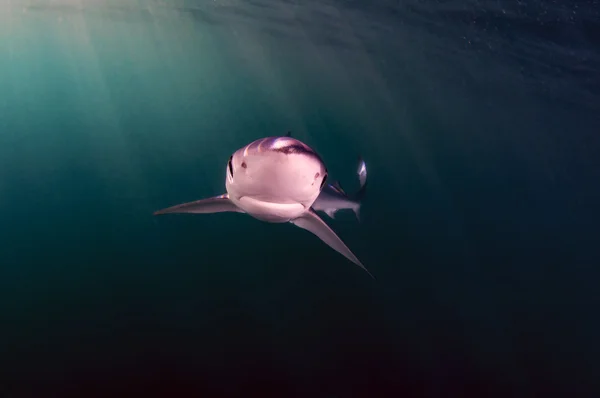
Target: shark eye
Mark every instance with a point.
(323, 181)
(230, 166)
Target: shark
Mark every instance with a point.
(275, 180)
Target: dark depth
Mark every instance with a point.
(479, 122)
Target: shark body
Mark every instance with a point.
(276, 180)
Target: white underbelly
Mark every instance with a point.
(269, 211)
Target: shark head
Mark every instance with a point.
(275, 179)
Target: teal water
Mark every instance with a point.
(479, 126)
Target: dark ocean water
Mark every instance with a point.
(479, 122)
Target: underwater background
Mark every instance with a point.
(479, 122)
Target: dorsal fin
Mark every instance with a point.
(289, 134)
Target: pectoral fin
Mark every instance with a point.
(313, 223)
(217, 204)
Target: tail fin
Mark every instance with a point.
(362, 177)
